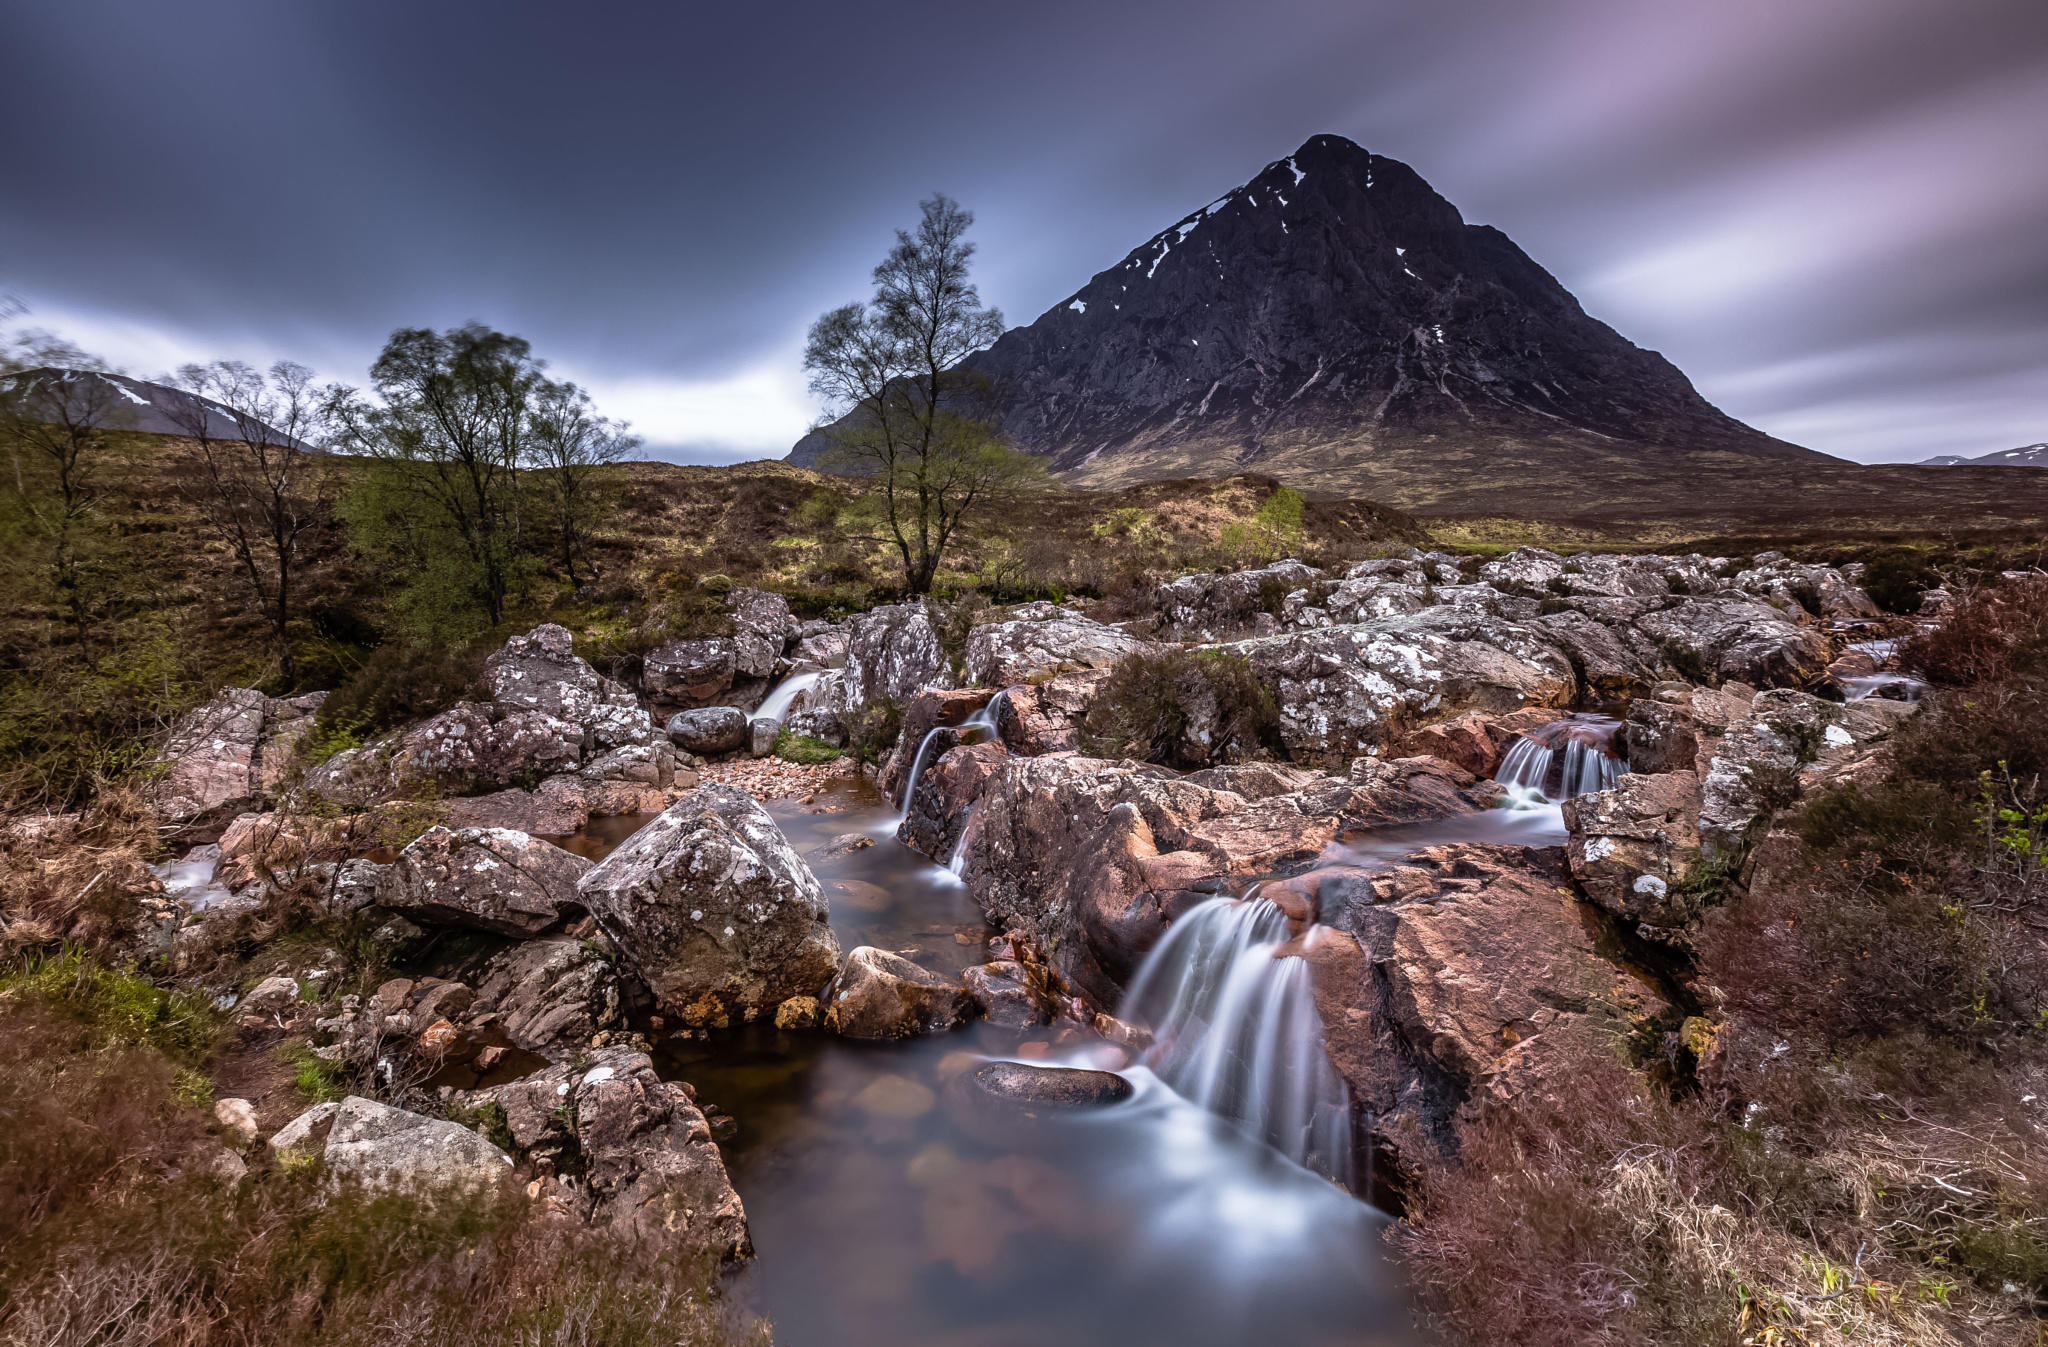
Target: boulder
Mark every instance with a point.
(1659, 735)
(1344, 689)
(491, 879)
(1633, 847)
(1087, 857)
(938, 809)
(714, 911)
(651, 1162)
(306, 1134)
(1824, 591)
(1207, 607)
(689, 672)
(1003, 653)
(1754, 771)
(550, 996)
(1524, 568)
(709, 729)
(1468, 970)
(542, 672)
(355, 885)
(221, 757)
(1715, 640)
(761, 733)
(1005, 993)
(1054, 1087)
(892, 652)
(640, 1144)
(765, 618)
(1046, 717)
(882, 995)
(390, 1150)
(1476, 741)
(557, 807)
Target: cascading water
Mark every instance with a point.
(775, 706)
(1571, 756)
(957, 862)
(970, 730)
(1235, 1029)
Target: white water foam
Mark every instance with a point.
(775, 706)
(1235, 1030)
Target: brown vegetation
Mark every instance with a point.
(1851, 1152)
(124, 1221)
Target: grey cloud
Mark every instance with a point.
(670, 193)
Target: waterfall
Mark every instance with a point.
(957, 862)
(1568, 757)
(775, 706)
(924, 747)
(982, 720)
(1235, 1029)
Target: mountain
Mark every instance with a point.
(1335, 323)
(122, 403)
(2026, 456)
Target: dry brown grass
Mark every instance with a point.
(1858, 1151)
(119, 1227)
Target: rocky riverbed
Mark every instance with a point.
(743, 1006)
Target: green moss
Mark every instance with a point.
(793, 747)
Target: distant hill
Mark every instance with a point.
(142, 406)
(2026, 456)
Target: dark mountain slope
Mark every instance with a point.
(1336, 323)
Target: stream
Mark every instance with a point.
(883, 1214)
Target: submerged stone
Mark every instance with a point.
(1056, 1086)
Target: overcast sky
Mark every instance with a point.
(1832, 214)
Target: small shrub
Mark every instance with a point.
(1184, 709)
(1989, 634)
(1897, 577)
(399, 682)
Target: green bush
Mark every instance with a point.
(399, 682)
(1185, 709)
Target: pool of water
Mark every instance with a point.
(887, 1209)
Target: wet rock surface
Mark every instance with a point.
(880, 995)
(1055, 1087)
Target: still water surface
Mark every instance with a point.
(886, 1211)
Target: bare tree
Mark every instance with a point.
(259, 485)
(890, 371)
(570, 445)
(56, 409)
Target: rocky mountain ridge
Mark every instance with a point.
(1336, 321)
